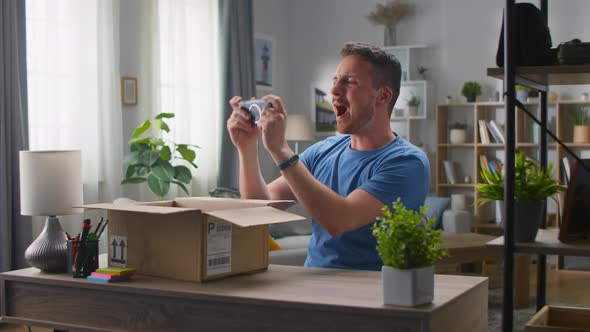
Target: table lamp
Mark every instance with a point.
(51, 184)
(299, 129)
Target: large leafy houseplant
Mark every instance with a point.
(153, 160)
(406, 239)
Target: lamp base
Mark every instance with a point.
(49, 251)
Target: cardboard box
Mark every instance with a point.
(193, 239)
(564, 319)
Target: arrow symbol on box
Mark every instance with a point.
(114, 244)
(122, 245)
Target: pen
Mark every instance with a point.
(102, 230)
(98, 226)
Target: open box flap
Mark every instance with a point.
(137, 208)
(207, 204)
(265, 215)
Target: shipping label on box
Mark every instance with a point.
(219, 239)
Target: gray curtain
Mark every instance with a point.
(237, 52)
(15, 230)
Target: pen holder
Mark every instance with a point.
(82, 257)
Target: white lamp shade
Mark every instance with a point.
(299, 128)
(50, 182)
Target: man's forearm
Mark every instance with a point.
(252, 184)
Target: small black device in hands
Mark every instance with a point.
(254, 107)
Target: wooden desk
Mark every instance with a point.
(284, 298)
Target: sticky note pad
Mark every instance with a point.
(116, 270)
(110, 276)
(106, 281)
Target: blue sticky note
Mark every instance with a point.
(105, 281)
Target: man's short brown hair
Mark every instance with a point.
(387, 70)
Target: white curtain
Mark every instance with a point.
(187, 74)
(73, 87)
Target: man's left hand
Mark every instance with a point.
(272, 125)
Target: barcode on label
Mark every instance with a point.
(219, 261)
(223, 227)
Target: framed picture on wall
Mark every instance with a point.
(323, 114)
(129, 90)
(264, 61)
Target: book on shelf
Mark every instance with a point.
(483, 132)
(496, 131)
(483, 162)
(450, 172)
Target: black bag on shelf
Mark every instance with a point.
(533, 40)
(573, 52)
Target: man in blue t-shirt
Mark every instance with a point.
(342, 181)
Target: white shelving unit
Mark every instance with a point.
(411, 85)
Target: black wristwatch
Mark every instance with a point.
(289, 162)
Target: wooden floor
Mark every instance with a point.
(571, 287)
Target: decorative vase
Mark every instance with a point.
(522, 95)
(389, 35)
(582, 134)
(527, 219)
(410, 288)
(458, 136)
(457, 219)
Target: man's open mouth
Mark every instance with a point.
(340, 110)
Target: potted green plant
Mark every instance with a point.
(532, 186)
(413, 104)
(471, 90)
(409, 247)
(579, 117)
(458, 133)
(153, 160)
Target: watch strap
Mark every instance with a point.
(289, 162)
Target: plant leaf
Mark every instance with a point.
(133, 180)
(183, 174)
(164, 171)
(149, 158)
(165, 153)
(139, 147)
(131, 158)
(130, 171)
(187, 154)
(165, 115)
(181, 186)
(141, 140)
(159, 124)
(158, 186)
(141, 129)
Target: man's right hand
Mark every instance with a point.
(243, 133)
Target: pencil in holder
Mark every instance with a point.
(82, 257)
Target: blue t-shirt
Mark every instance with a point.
(397, 170)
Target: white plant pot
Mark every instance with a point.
(412, 111)
(458, 136)
(410, 288)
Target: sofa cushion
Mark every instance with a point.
(436, 207)
(294, 242)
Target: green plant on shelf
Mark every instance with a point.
(579, 115)
(531, 182)
(414, 101)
